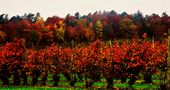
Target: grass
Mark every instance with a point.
(38, 88)
(95, 86)
(80, 85)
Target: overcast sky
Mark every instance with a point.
(63, 7)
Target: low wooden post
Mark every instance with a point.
(168, 61)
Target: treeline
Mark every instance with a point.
(100, 25)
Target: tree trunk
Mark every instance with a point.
(25, 77)
(5, 78)
(5, 75)
(56, 78)
(132, 80)
(16, 78)
(80, 76)
(148, 77)
(73, 79)
(44, 79)
(88, 81)
(109, 83)
(35, 76)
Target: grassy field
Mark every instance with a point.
(64, 85)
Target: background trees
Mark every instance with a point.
(98, 25)
(127, 29)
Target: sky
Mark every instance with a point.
(61, 8)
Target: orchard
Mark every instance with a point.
(114, 47)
